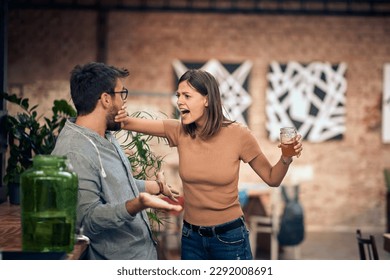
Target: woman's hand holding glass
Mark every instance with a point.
(298, 146)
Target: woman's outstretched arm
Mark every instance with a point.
(145, 126)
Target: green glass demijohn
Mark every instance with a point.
(48, 201)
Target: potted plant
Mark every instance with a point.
(30, 134)
(145, 165)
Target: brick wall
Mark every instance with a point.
(342, 183)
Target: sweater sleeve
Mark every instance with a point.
(172, 131)
(250, 148)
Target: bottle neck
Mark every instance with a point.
(49, 162)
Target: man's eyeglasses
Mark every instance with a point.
(123, 93)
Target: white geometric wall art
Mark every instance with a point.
(233, 84)
(386, 104)
(309, 97)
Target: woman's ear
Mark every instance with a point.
(206, 101)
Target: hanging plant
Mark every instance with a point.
(144, 162)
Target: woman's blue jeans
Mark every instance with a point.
(230, 245)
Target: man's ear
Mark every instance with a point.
(105, 99)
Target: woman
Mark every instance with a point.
(210, 148)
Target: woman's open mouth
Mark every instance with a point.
(184, 112)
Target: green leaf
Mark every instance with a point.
(62, 106)
(32, 108)
(24, 103)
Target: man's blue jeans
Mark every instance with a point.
(230, 245)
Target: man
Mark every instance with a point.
(111, 203)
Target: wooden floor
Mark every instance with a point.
(10, 227)
(11, 232)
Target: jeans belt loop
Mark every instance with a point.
(199, 231)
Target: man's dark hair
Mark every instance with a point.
(89, 81)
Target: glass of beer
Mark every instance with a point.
(287, 140)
